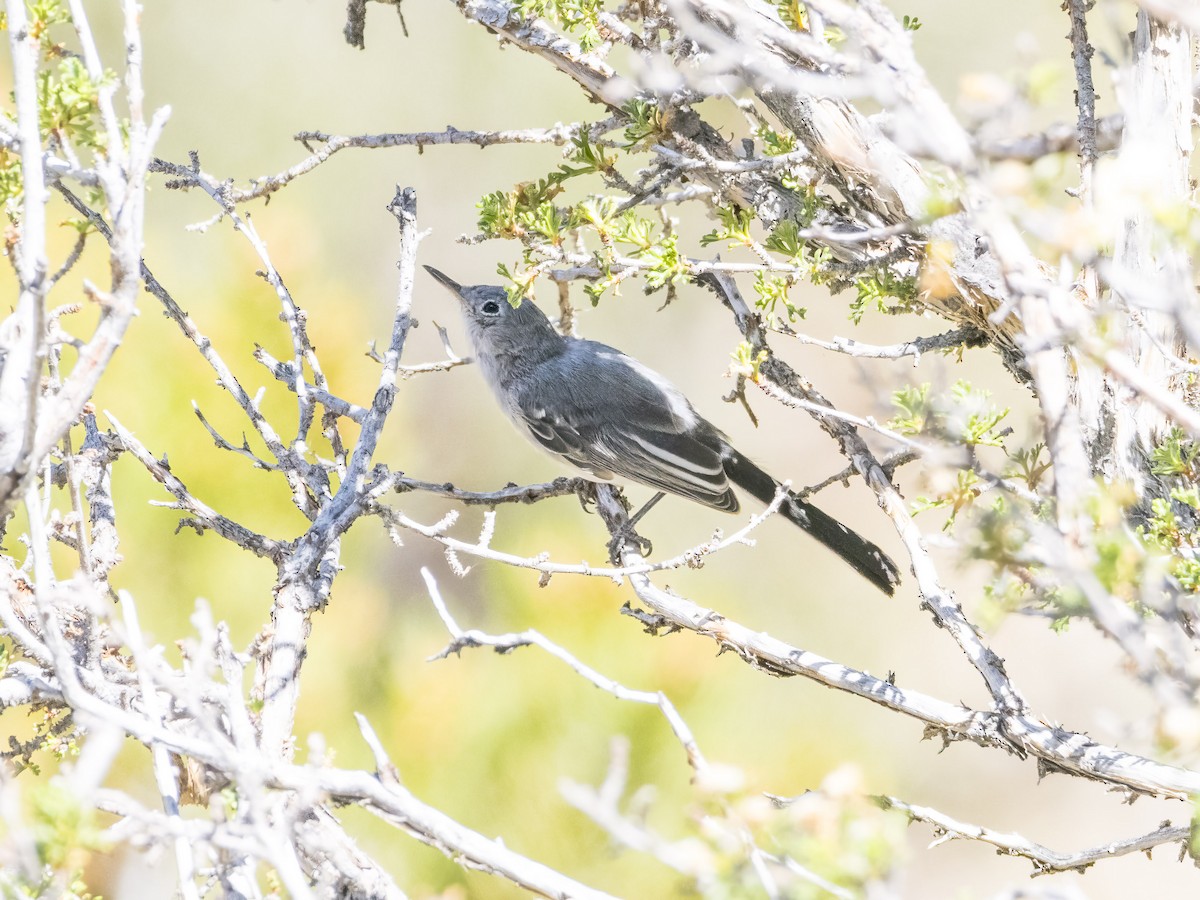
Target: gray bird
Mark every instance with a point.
(618, 420)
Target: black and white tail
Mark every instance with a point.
(863, 556)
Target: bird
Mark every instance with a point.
(618, 420)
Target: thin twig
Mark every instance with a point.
(504, 643)
(1043, 858)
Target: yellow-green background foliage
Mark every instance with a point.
(485, 737)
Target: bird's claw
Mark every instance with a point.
(619, 539)
(586, 493)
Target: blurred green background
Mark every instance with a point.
(487, 738)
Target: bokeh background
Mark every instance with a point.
(487, 738)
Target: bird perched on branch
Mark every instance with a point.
(618, 420)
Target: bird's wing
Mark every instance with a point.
(609, 415)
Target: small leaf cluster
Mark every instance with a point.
(591, 157)
(914, 407)
(746, 362)
(735, 227)
(530, 214)
(836, 835)
(793, 14)
(773, 294)
(967, 416)
(779, 143)
(1127, 562)
(776, 143)
(961, 495)
(54, 733)
(1165, 530)
(42, 15)
(577, 17)
(874, 291)
(644, 123)
(1027, 465)
(68, 100)
(526, 209)
(1171, 527)
(64, 829)
(68, 105)
(1176, 455)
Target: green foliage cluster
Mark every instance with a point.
(1176, 455)
(966, 415)
(793, 14)
(54, 735)
(577, 17)
(528, 213)
(875, 290)
(63, 833)
(1171, 526)
(621, 240)
(746, 362)
(68, 102)
(1167, 543)
(838, 834)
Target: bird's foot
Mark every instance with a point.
(586, 492)
(626, 534)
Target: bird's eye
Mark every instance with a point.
(490, 308)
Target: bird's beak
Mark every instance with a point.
(446, 281)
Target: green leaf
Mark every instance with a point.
(772, 293)
(645, 122)
(746, 362)
(735, 227)
(786, 239)
(577, 17)
(588, 155)
(1175, 455)
(874, 291)
(915, 409)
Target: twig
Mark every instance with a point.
(601, 806)
(504, 643)
(693, 557)
(202, 515)
(1017, 732)
(306, 575)
(382, 794)
(1085, 93)
(267, 185)
(528, 493)
(785, 382)
(1043, 858)
(968, 336)
(164, 771)
(1061, 138)
(21, 376)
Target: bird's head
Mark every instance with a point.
(494, 324)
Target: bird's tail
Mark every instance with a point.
(863, 556)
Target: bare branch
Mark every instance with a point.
(939, 343)
(1043, 858)
(1060, 138)
(1020, 733)
(202, 516)
(504, 643)
(934, 596)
